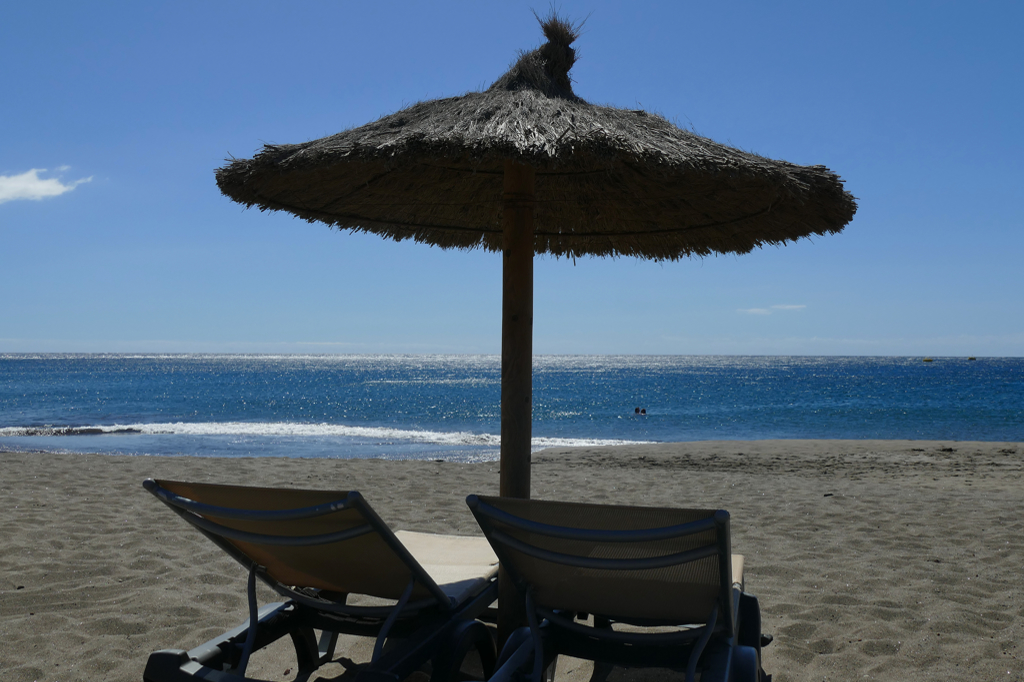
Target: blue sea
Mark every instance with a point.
(447, 407)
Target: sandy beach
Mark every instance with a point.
(897, 560)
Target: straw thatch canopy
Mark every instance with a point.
(608, 181)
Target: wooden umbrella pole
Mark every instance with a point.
(516, 364)
(517, 331)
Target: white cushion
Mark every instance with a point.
(460, 564)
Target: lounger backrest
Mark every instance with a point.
(330, 540)
(641, 563)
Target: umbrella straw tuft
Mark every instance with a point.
(558, 56)
(545, 69)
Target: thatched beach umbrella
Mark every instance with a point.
(528, 167)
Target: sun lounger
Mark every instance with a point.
(627, 586)
(316, 548)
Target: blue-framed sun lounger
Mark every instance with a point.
(317, 549)
(626, 586)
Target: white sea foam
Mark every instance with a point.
(300, 430)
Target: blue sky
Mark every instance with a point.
(113, 117)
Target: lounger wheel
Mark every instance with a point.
(518, 637)
(468, 635)
(307, 654)
(744, 665)
(749, 621)
(750, 634)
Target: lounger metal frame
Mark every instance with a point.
(552, 632)
(424, 627)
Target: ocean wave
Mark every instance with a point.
(300, 430)
(20, 431)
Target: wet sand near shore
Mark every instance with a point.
(898, 560)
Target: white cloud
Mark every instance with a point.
(29, 185)
(769, 311)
